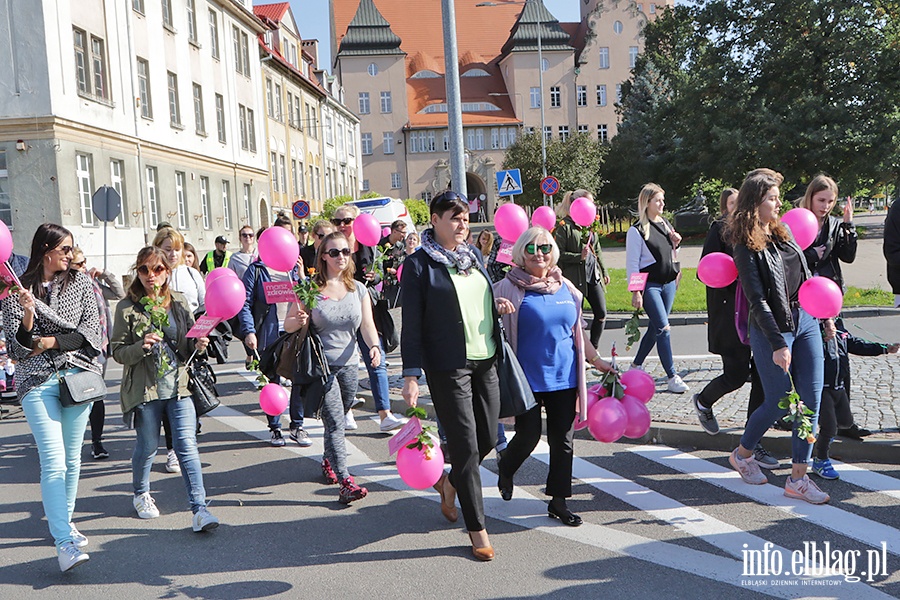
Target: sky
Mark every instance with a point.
(312, 17)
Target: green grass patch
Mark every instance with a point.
(691, 294)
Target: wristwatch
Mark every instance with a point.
(38, 343)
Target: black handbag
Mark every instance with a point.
(516, 397)
(308, 358)
(384, 324)
(82, 387)
(202, 385)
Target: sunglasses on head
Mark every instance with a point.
(533, 248)
(145, 270)
(344, 221)
(335, 252)
(449, 196)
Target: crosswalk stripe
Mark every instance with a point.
(835, 519)
(869, 480)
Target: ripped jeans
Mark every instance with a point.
(658, 299)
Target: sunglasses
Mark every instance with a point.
(247, 235)
(80, 263)
(145, 270)
(533, 248)
(66, 249)
(334, 252)
(345, 221)
(449, 197)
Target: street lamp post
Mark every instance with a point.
(540, 81)
(454, 107)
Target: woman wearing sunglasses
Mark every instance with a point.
(53, 329)
(547, 326)
(342, 310)
(450, 331)
(154, 381)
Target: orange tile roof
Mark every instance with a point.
(273, 12)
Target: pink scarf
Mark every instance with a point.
(546, 285)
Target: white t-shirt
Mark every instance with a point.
(189, 282)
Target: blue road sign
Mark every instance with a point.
(300, 208)
(509, 183)
(549, 185)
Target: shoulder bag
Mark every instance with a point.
(201, 382)
(516, 397)
(78, 388)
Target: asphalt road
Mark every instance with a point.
(659, 523)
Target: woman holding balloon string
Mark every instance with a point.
(545, 324)
(650, 247)
(836, 240)
(737, 362)
(363, 257)
(149, 340)
(784, 337)
(581, 258)
(343, 311)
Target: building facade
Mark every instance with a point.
(390, 61)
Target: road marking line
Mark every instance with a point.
(870, 480)
(835, 519)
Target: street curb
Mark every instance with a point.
(618, 320)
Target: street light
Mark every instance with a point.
(540, 78)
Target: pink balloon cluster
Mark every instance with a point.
(417, 470)
(609, 418)
(543, 216)
(594, 394)
(717, 270)
(582, 211)
(225, 293)
(510, 221)
(803, 225)
(273, 399)
(821, 297)
(278, 248)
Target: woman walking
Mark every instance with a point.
(546, 326)
(450, 330)
(53, 330)
(149, 340)
(785, 339)
(836, 241)
(650, 246)
(342, 310)
(581, 261)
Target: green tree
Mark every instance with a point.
(418, 210)
(576, 162)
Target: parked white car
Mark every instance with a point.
(386, 210)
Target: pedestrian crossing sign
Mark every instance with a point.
(509, 183)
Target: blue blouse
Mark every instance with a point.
(546, 348)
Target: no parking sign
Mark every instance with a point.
(549, 185)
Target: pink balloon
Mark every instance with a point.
(6, 243)
(273, 399)
(803, 224)
(638, 384)
(225, 297)
(717, 270)
(385, 231)
(418, 471)
(399, 271)
(217, 273)
(607, 420)
(278, 249)
(594, 394)
(510, 221)
(367, 230)
(543, 216)
(821, 297)
(638, 417)
(582, 211)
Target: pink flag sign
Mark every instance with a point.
(637, 282)
(279, 291)
(406, 435)
(504, 253)
(203, 326)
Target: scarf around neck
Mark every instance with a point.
(461, 257)
(540, 285)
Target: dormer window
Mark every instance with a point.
(426, 74)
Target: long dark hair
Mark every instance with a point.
(147, 254)
(742, 226)
(46, 239)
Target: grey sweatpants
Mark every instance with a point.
(340, 390)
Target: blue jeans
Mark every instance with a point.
(295, 408)
(658, 301)
(183, 417)
(59, 433)
(808, 371)
(377, 375)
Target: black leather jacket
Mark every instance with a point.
(840, 242)
(765, 286)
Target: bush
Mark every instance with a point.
(418, 211)
(332, 204)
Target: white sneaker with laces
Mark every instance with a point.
(350, 421)
(69, 557)
(172, 465)
(391, 422)
(677, 386)
(79, 539)
(203, 520)
(145, 506)
(805, 489)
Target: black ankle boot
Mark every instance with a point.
(557, 509)
(504, 483)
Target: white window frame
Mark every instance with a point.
(387, 104)
(282, 166)
(220, 118)
(603, 58)
(365, 105)
(181, 200)
(601, 94)
(6, 213)
(581, 95)
(117, 182)
(204, 203)
(84, 175)
(632, 56)
(226, 205)
(273, 160)
(247, 193)
(143, 74)
(555, 96)
(602, 133)
(174, 105)
(191, 20)
(199, 120)
(387, 141)
(365, 141)
(214, 33)
(396, 183)
(152, 198)
(535, 96)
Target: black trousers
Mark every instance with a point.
(834, 412)
(560, 409)
(596, 298)
(736, 366)
(467, 402)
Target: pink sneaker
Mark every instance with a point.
(748, 469)
(805, 489)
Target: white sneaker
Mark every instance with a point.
(145, 506)
(172, 465)
(79, 539)
(637, 367)
(350, 421)
(392, 422)
(203, 520)
(70, 557)
(805, 489)
(677, 386)
(748, 469)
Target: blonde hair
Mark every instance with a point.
(348, 208)
(486, 246)
(820, 182)
(167, 233)
(647, 192)
(528, 237)
(562, 209)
